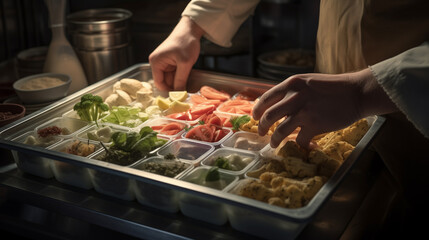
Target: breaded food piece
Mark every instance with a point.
(329, 138)
(326, 166)
(351, 134)
(337, 150)
(267, 176)
(289, 148)
(271, 165)
(354, 133)
(296, 167)
(256, 190)
(296, 197)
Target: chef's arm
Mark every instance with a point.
(405, 79)
(220, 19)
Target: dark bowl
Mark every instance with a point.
(10, 112)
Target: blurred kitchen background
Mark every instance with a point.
(277, 25)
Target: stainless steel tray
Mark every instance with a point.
(289, 222)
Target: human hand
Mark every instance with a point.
(172, 61)
(319, 103)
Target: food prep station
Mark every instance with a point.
(95, 198)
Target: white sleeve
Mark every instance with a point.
(220, 19)
(405, 78)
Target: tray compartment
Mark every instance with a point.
(203, 209)
(156, 196)
(34, 164)
(187, 150)
(72, 174)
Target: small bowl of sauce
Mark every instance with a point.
(42, 88)
(10, 112)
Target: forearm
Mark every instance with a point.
(187, 27)
(405, 79)
(220, 19)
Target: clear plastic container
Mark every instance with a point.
(72, 174)
(111, 184)
(30, 163)
(238, 161)
(100, 133)
(162, 121)
(71, 114)
(205, 209)
(69, 126)
(247, 141)
(218, 143)
(269, 153)
(155, 196)
(187, 150)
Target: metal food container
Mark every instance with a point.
(243, 214)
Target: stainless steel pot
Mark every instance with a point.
(102, 40)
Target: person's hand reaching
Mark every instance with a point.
(172, 61)
(319, 103)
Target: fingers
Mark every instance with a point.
(169, 80)
(158, 77)
(286, 88)
(282, 131)
(268, 99)
(181, 77)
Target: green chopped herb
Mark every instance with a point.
(212, 174)
(222, 162)
(170, 156)
(238, 121)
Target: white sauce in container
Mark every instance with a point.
(41, 83)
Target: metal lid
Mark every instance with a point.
(99, 20)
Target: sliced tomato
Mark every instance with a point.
(157, 128)
(219, 134)
(179, 116)
(198, 99)
(200, 110)
(201, 133)
(171, 128)
(236, 102)
(215, 120)
(212, 93)
(170, 132)
(212, 119)
(173, 125)
(225, 122)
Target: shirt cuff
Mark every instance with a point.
(220, 19)
(405, 80)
